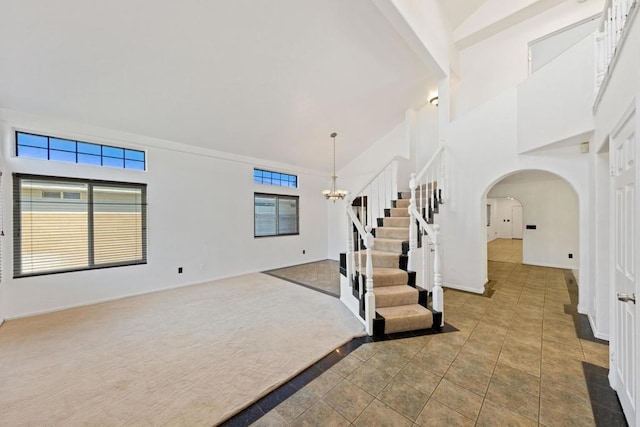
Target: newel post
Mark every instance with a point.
(438, 297)
(369, 298)
(413, 236)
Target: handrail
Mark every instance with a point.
(366, 238)
(423, 224)
(380, 171)
(356, 222)
(430, 162)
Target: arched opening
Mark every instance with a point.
(550, 227)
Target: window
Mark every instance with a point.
(275, 178)
(275, 215)
(89, 224)
(65, 150)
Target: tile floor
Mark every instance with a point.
(517, 356)
(322, 276)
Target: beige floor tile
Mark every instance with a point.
(513, 397)
(513, 378)
(556, 413)
(295, 405)
(324, 383)
(435, 414)
(523, 357)
(319, 415)
(471, 371)
(380, 415)
(364, 352)
(348, 400)
(388, 362)
(491, 414)
(346, 366)
(403, 398)
(596, 353)
(369, 379)
(418, 378)
(487, 348)
(458, 398)
(270, 419)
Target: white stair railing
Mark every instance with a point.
(430, 183)
(365, 241)
(609, 33)
(363, 208)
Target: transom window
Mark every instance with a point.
(64, 224)
(66, 150)
(261, 176)
(275, 215)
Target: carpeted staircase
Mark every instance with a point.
(400, 306)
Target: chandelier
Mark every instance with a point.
(334, 194)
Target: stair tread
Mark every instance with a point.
(396, 289)
(402, 318)
(389, 296)
(402, 311)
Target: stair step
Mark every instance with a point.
(388, 296)
(379, 258)
(383, 276)
(403, 318)
(388, 245)
(402, 203)
(400, 233)
(399, 212)
(396, 222)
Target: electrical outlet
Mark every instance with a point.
(179, 270)
(570, 255)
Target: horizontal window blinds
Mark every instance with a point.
(69, 224)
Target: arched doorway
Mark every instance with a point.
(550, 217)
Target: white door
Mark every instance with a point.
(516, 222)
(624, 351)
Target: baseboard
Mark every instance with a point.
(563, 267)
(595, 331)
(464, 288)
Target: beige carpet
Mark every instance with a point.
(189, 356)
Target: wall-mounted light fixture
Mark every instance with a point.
(434, 101)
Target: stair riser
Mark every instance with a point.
(393, 300)
(394, 246)
(396, 222)
(399, 234)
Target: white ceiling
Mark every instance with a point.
(457, 11)
(268, 79)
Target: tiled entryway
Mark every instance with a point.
(516, 359)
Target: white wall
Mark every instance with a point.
(554, 104)
(481, 150)
(503, 217)
(357, 173)
(550, 203)
(200, 217)
(492, 229)
(622, 91)
(500, 62)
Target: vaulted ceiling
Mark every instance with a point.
(267, 79)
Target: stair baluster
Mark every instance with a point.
(430, 182)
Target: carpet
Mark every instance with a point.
(187, 356)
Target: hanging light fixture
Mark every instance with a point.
(334, 194)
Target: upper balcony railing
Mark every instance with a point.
(609, 36)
